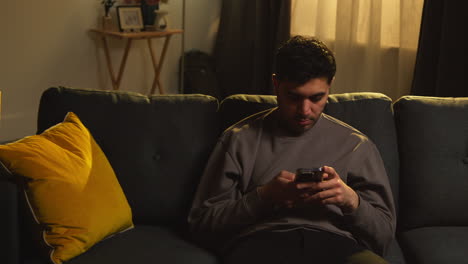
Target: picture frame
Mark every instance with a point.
(130, 18)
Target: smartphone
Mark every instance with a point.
(309, 174)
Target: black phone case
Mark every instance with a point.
(309, 175)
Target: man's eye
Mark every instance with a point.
(316, 98)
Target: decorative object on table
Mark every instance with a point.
(130, 18)
(148, 7)
(160, 20)
(106, 22)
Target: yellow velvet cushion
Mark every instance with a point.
(70, 186)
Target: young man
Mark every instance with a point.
(249, 203)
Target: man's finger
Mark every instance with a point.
(307, 185)
(287, 175)
(330, 184)
(320, 196)
(330, 171)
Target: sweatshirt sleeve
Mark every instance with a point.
(373, 223)
(220, 208)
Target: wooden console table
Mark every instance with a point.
(129, 37)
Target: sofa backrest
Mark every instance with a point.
(185, 131)
(371, 113)
(433, 146)
(157, 145)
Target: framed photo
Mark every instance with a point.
(130, 18)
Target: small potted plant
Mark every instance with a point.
(106, 19)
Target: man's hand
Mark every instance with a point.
(281, 190)
(330, 191)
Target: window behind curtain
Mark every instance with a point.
(374, 41)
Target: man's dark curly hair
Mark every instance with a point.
(303, 58)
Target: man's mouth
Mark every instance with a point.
(304, 121)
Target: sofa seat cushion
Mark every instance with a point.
(439, 245)
(394, 254)
(145, 244)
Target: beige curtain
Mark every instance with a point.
(374, 41)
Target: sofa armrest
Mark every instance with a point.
(9, 238)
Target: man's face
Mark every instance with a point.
(300, 106)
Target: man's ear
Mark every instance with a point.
(275, 81)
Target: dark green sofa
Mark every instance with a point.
(158, 147)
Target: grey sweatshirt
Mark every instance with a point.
(255, 150)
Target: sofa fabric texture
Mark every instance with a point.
(435, 245)
(146, 244)
(158, 147)
(433, 150)
(433, 144)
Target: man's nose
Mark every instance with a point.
(304, 107)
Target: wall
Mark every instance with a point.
(48, 43)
